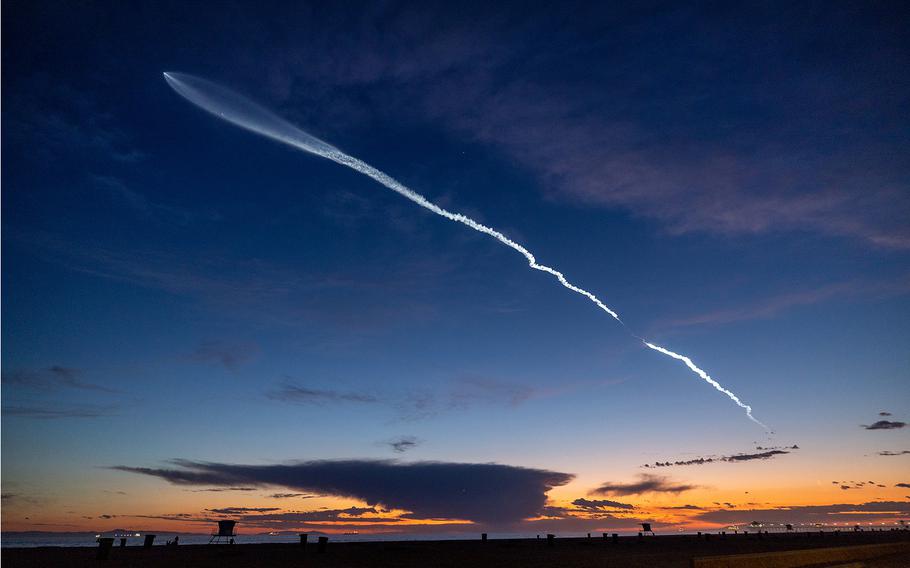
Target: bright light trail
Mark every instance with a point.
(246, 114)
(707, 379)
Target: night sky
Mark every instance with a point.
(200, 323)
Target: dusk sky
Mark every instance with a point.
(201, 323)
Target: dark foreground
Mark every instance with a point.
(632, 552)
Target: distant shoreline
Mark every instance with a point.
(82, 539)
(659, 552)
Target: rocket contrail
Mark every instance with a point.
(244, 113)
(707, 379)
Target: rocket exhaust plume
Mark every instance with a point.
(246, 114)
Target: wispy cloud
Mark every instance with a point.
(290, 495)
(289, 392)
(471, 390)
(264, 290)
(12, 497)
(52, 378)
(884, 425)
(460, 394)
(140, 203)
(810, 513)
(691, 159)
(60, 412)
(403, 443)
(647, 483)
(273, 518)
(293, 518)
(770, 307)
(890, 453)
(221, 489)
(847, 485)
(242, 510)
(230, 355)
(62, 121)
(600, 504)
(732, 458)
(464, 393)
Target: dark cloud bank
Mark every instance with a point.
(484, 493)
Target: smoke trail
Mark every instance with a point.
(707, 379)
(246, 114)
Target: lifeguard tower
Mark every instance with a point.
(225, 534)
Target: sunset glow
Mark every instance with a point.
(358, 270)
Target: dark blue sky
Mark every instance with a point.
(733, 183)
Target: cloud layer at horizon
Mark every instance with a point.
(487, 493)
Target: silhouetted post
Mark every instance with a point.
(615, 538)
(149, 539)
(323, 542)
(699, 535)
(550, 539)
(641, 537)
(104, 547)
(303, 537)
(483, 537)
(723, 535)
(589, 535)
(122, 543)
(605, 536)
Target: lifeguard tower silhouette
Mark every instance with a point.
(225, 534)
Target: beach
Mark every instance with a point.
(634, 552)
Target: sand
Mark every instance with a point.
(632, 552)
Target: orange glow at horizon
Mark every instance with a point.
(190, 511)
